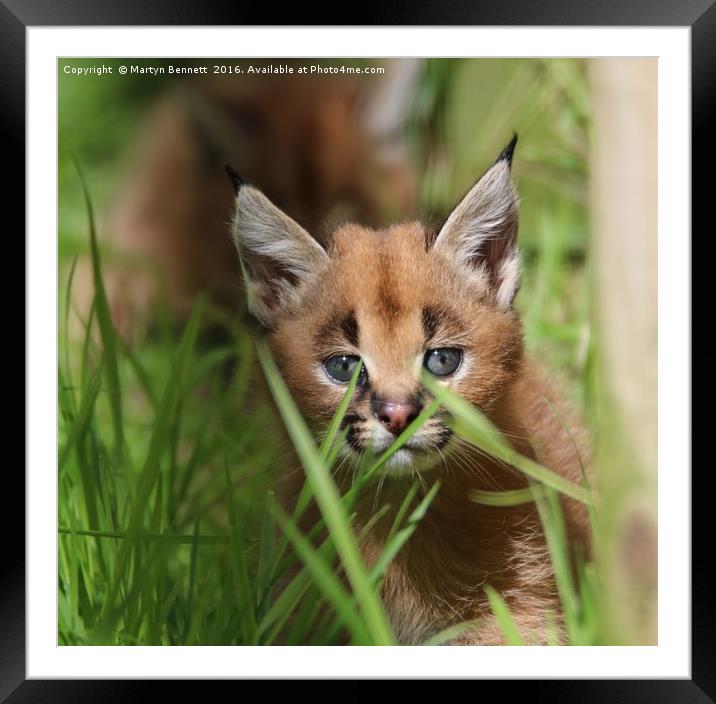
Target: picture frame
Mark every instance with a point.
(17, 15)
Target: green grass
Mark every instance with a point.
(169, 533)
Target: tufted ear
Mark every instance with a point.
(277, 255)
(481, 233)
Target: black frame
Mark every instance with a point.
(700, 15)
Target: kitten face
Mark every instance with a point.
(400, 300)
(389, 299)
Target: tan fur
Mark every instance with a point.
(386, 279)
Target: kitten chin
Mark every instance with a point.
(410, 460)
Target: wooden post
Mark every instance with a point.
(624, 245)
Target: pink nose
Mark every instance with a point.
(396, 416)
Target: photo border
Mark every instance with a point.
(702, 19)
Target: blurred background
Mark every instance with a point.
(375, 141)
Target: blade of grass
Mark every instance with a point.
(328, 451)
(451, 633)
(192, 580)
(107, 332)
(396, 538)
(402, 510)
(515, 497)
(282, 609)
(329, 502)
(340, 413)
(583, 472)
(266, 553)
(291, 594)
(239, 569)
(555, 533)
(476, 428)
(82, 421)
(314, 607)
(396, 542)
(66, 321)
(324, 578)
(140, 372)
(161, 537)
(504, 617)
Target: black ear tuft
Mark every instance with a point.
(508, 151)
(236, 180)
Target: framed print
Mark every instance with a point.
(313, 390)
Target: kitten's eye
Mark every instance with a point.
(442, 361)
(341, 367)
